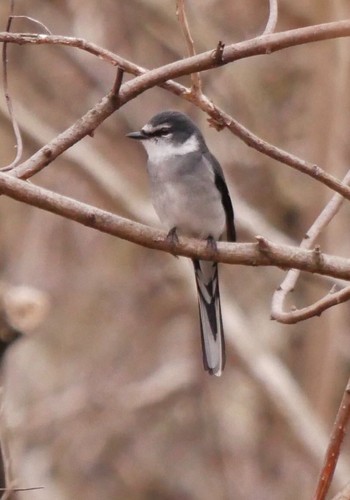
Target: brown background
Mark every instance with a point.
(108, 399)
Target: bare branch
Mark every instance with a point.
(335, 443)
(264, 253)
(288, 284)
(33, 488)
(36, 22)
(148, 79)
(181, 14)
(332, 299)
(83, 127)
(273, 16)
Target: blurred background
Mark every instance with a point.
(107, 398)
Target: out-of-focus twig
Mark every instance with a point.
(36, 22)
(333, 451)
(344, 494)
(333, 298)
(181, 14)
(278, 384)
(273, 17)
(21, 309)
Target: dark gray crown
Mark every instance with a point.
(180, 125)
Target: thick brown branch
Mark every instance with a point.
(264, 253)
(154, 77)
(83, 127)
(200, 62)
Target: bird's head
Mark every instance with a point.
(169, 133)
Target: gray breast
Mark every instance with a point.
(185, 195)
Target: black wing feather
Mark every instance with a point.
(225, 197)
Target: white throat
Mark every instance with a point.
(162, 149)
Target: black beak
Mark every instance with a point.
(136, 135)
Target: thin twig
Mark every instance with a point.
(273, 17)
(33, 488)
(181, 14)
(15, 127)
(5, 452)
(333, 298)
(335, 443)
(35, 22)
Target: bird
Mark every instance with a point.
(191, 198)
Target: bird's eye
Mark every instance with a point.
(160, 132)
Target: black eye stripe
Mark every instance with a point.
(157, 133)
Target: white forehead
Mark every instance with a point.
(153, 128)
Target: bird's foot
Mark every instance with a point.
(211, 245)
(173, 240)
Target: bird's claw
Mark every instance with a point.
(173, 240)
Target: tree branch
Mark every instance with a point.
(81, 128)
(273, 16)
(206, 60)
(264, 253)
(333, 298)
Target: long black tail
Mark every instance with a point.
(212, 334)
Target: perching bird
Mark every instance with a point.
(191, 198)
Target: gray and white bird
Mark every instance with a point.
(191, 198)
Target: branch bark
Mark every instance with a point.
(287, 286)
(160, 76)
(264, 253)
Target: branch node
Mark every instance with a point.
(263, 244)
(117, 83)
(47, 152)
(173, 240)
(218, 54)
(317, 254)
(217, 122)
(316, 171)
